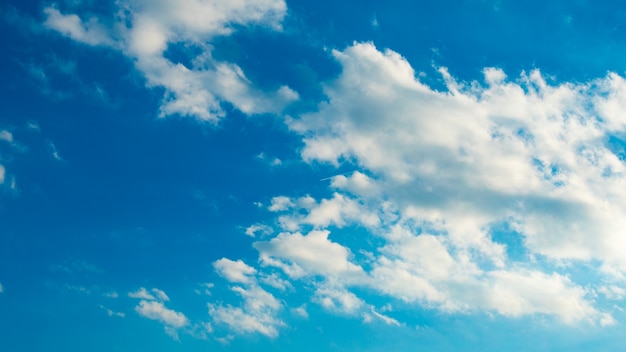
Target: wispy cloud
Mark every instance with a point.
(146, 30)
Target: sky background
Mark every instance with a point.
(276, 175)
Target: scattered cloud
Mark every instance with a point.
(259, 230)
(259, 310)
(6, 136)
(112, 313)
(235, 271)
(258, 314)
(524, 152)
(90, 32)
(142, 293)
(144, 30)
(300, 311)
(157, 311)
(160, 295)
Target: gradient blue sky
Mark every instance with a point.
(276, 175)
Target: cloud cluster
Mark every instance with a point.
(441, 174)
(152, 306)
(547, 159)
(259, 310)
(144, 31)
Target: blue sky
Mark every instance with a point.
(291, 175)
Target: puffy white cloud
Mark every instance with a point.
(1, 288)
(259, 310)
(142, 293)
(281, 203)
(338, 299)
(313, 254)
(2, 174)
(157, 311)
(258, 314)
(235, 271)
(274, 280)
(525, 152)
(90, 32)
(143, 30)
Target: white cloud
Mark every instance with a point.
(90, 32)
(142, 293)
(235, 271)
(337, 299)
(301, 311)
(2, 174)
(259, 230)
(160, 295)
(112, 313)
(613, 292)
(157, 311)
(280, 203)
(259, 310)
(257, 315)
(1, 288)
(143, 30)
(6, 136)
(525, 152)
(313, 252)
(274, 280)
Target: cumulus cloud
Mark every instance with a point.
(143, 30)
(157, 311)
(525, 152)
(89, 32)
(450, 166)
(313, 254)
(235, 271)
(259, 310)
(258, 314)
(142, 293)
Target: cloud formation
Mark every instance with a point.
(152, 306)
(144, 30)
(259, 310)
(441, 173)
(542, 158)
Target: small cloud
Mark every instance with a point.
(374, 22)
(1, 288)
(613, 292)
(160, 295)
(55, 152)
(234, 271)
(300, 311)
(33, 125)
(110, 295)
(272, 161)
(280, 203)
(157, 311)
(112, 313)
(276, 281)
(142, 293)
(259, 230)
(225, 340)
(6, 136)
(206, 288)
